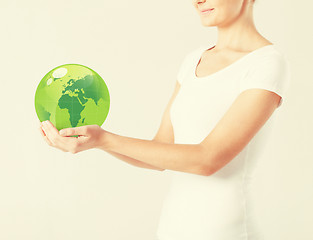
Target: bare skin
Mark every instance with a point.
(237, 36)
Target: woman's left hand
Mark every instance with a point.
(89, 136)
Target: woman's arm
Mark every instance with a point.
(165, 134)
(159, 153)
(124, 158)
(133, 161)
(178, 157)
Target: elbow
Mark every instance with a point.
(212, 164)
(206, 171)
(206, 164)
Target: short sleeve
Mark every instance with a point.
(271, 73)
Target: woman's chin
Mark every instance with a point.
(207, 24)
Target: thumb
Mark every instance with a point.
(73, 131)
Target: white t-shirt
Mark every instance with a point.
(220, 206)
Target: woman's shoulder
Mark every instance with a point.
(195, 52)
(191, 55)
(270, 54)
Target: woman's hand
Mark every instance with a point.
(90, 136)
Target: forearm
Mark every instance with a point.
(178, 157)
(133, 162)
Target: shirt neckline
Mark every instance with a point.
(211, 46)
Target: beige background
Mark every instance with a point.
(137, 47)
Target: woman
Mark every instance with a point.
(224, 95)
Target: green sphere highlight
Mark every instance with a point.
(72, 95)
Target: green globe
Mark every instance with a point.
(72, 95)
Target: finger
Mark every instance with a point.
(45, 137)
(50, 127)
(41, 131)
(51, 132)
(81, 131)
(47, 141)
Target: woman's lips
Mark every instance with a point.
(207, 11)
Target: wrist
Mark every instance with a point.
(103, 141)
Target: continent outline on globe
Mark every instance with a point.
(72, 95)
